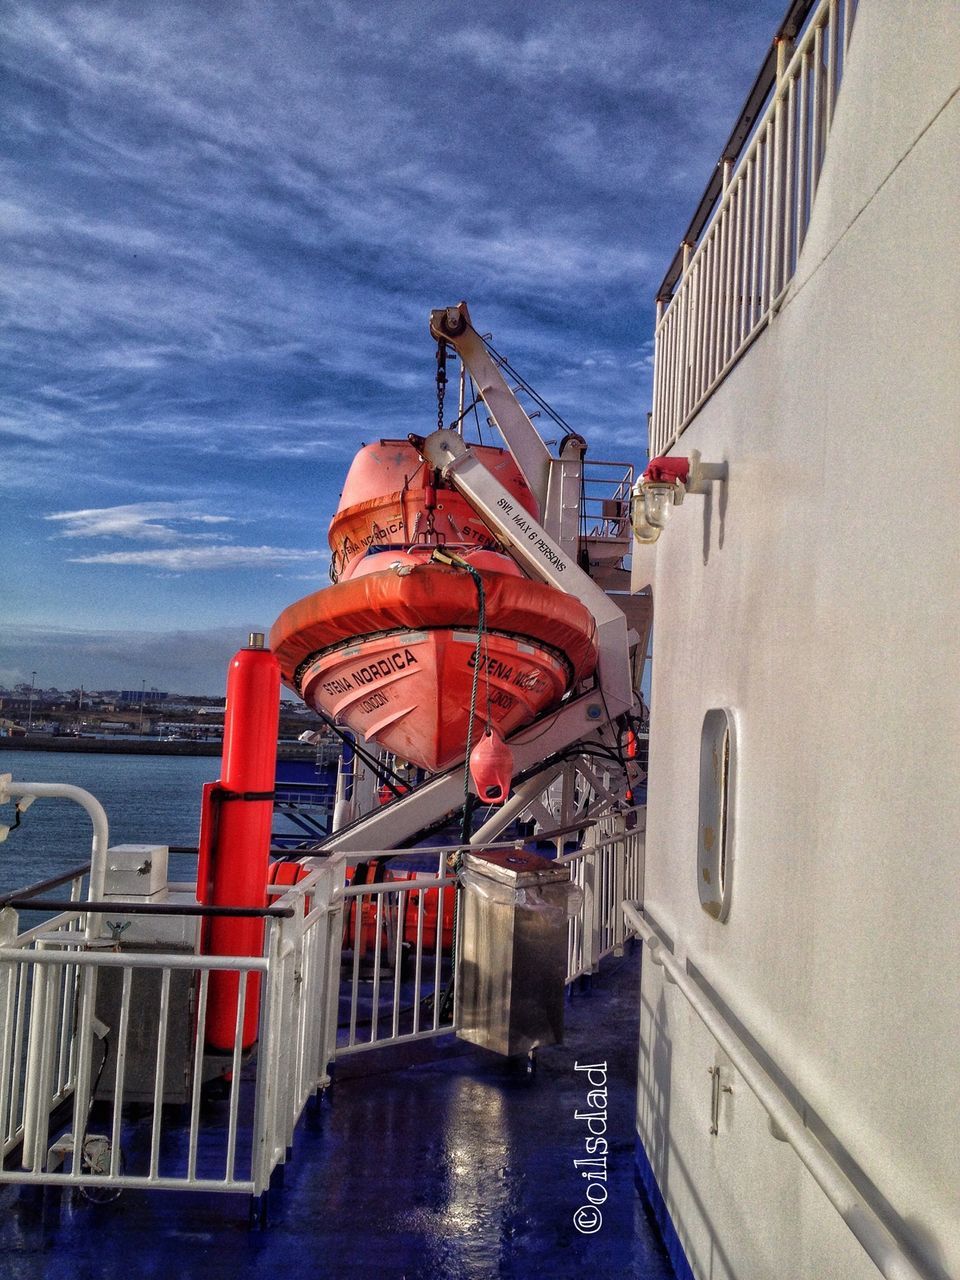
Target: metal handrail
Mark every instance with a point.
(795, 17)
(866, 1225)
(143, 908)
(95, 812)
(48, 983)
(734, 275)
(607, 870)
(17, 897)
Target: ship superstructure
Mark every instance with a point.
(798, 1080)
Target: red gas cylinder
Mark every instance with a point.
(491, 767)
(235, 836)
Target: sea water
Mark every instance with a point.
(148, 800)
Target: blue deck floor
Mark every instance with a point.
(448, 1163)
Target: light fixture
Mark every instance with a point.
(643, 530)
(663, 486)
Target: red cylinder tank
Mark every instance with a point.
(235, 835)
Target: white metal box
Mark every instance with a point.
(135, 870)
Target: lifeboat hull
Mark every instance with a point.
(410, 690)
(392, 655)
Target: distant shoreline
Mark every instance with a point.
(140, 746)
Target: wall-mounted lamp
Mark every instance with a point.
(663, 486)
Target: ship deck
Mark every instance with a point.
(433, 1160)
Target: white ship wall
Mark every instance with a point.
(816, 595)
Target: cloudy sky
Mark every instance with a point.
(224, 226)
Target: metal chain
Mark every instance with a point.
(441, 380)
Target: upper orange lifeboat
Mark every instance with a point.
(391, 651)
(391, 498)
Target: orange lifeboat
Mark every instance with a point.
(393, 499)
(391, 648)
(391, 651)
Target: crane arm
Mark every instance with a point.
(452, 325)
(543, 558)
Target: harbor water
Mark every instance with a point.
(148, 800)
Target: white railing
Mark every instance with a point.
(67, 1076)
(344, 968)
(396, 953)
(396, 981)
(734, 279)
(608, 869)
(786, 1123)
(605, 498)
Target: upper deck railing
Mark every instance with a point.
(741, 249)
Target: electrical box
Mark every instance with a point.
(136, 871)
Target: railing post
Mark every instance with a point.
(328, 993)
(292, 995)
(309, 1000)
(9, 926)
(84, 1040)
(619, 854)
(39, 1069)
(784, 54)
(264, 1142)
(590, 937)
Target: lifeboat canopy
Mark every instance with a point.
(392, 498)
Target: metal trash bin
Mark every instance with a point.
(513, 950)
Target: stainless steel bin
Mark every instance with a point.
(513, 951)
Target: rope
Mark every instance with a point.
(441, 557)
(477, 654)
(446, 1002)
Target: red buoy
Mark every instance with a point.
(491, 767)
(235, 829)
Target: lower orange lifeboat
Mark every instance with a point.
(391, 651)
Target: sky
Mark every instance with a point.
(224, 227)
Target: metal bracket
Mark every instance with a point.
(537, 553)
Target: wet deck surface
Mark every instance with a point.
(452, 1163)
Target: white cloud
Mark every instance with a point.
(224, 226)
(214, 557)
(136, 520)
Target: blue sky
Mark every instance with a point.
(224, 227)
